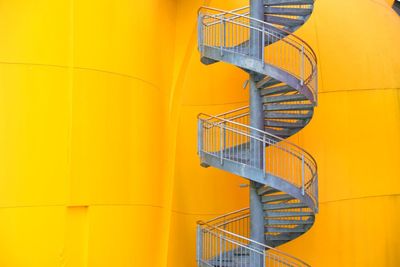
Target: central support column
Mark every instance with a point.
(256, 121)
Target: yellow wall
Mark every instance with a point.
(83, 89)
(98, 105)
(354, 136)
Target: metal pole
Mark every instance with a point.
(263, 43)
(302, 65)
(256, 121)
(200, 32)
(220, 250)
(222, 34)
(302, 175)
(200, 137)
(199, 244)
(264, 155)
(222, 143)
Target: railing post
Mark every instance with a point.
(222, 35)
(302, 65)
(199, 136)
(262, 46)
(265, 258)
(201, 33)
(199, 242)
(264, 155)
(220, 250)
(222, 142)
(302, 175)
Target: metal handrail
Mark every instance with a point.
(306, 52)
(285, 39)
(256, 130)
(254, 243)
(225, 127)
(232, 111)
(232, 12)
(227, 138)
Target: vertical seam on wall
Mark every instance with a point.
(174, 107)
(70, 96)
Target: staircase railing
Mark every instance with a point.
(228, 138)
(224, 241)
(229, 32)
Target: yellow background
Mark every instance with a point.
(98, 105)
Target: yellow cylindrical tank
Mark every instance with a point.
(354, 135)
(98, 106)
(83, 90)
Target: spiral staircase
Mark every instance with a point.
(286, 175)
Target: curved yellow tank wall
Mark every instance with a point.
(354, 135)
(83, 89)
(98, 106)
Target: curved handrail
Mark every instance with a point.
(232, 12)
(207, 226)
(304, 181)
(228, 140)
(285, 39)
(270, 32)
(258, 130)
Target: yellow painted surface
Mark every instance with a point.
(98, 106)
(83, 88)
(354, 136)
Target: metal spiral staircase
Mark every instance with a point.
(286, 175)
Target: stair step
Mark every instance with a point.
(280, 115)
(284, 206)
(283, 230)
(279, 238)
(288, 11)
(207, 61)
(288, 2)
(280, 133)
(289, 222)
(284, 98)
(277, 90)
(267, 199)
(204, 165)
(282, 124)
(266, 190)
(273, 214)
(283, 21)
(266, 82)
(279, 107)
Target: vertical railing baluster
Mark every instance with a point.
(199, 244)
(302, 65)
(200, 137)
(302, 174)
(264, 155)
(222, 142)
(220, 250)
(222, 35)
(262, 45)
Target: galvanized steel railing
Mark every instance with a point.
(228, 137)
(229, 31)
(224, 241)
